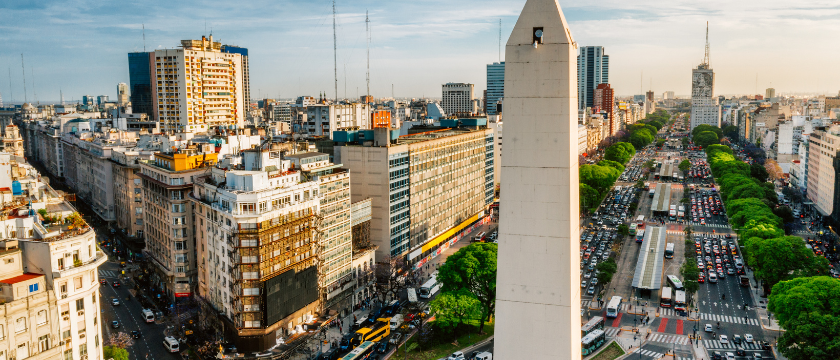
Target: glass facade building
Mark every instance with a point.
(495, 86)
(593, 69)
(140, 78)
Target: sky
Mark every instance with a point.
(80, 47)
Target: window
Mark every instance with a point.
(68, 354)
(178, 208)
(43, 343)
(33, 287)
(63, 288)
(83, 350)
(78, 282)
(180, 245)
(60, 263)
(180, 269)
(2, 332)
(180, 258)
(80, 304)
(20, 325)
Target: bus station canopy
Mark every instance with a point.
(661, 198)
(651, 259)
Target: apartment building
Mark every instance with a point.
(458, 99)
(823, 147)
(51, 299)
(198, 86)
(322, 119)
(128, 191)
(257, 230)
(424, 187)
(12, 141)
(168, 216)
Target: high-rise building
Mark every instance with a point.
(649, 95)
(424, 188)
(246, 71)
(198, 86)
(88, 100)
(458, 99)
(101, 99)
(668, 95)
(169, 219)
(769, 93)
(593, 68)
(324, 119)
(122, 94)
(705, 108)
(140, 83)
(603, 101)
(495, 87)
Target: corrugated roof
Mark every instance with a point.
(651, 259)
(19, 278)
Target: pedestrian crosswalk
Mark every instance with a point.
(108, 273)
(729, 319)
(586, 304)
(715, 344)
(669, 338)
(611, 331)
(668, 312)
(697, 223)
(650, 353)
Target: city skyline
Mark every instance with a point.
(415, 47)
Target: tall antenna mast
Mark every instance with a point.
(367, 28)
(335, 55)
(706, 59)
(23, 70)
(34, 92)
(11, 95)
(500, 40)
(144, 37)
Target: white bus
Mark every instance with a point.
(675, 282)
(430, 288)
(148, 315)
(679, 300)
(412, 295)
(669, 251)
(613, 306)
(665, 299)
(640, 220)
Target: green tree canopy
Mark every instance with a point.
(620, 152)
(703, 128)
(706, 138)
(612, 164)
(779, 258)
(598, 177)
(453, 307)
(758, 172)
(114, 352)
(641, 138)
(589, 197)
(606, 270)
(655, 124)
(731, 132)
(472, 268)
(790, 298)
(685, 165)
(811, 336)
(785, 213)
(623, 230)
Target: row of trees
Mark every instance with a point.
(782, 262)
(468, 287)
(705, 135)
(597, 179)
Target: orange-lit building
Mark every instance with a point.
(380, 118)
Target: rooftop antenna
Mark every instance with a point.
(144, 37)
(11, 96)
(61, 93)
(23, 70)
(335, 54)
(34, 93)
(706, 59)
(367, 28)
(500, 40)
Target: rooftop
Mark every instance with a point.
(20, 278)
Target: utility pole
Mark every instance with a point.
(367, 29)
(335, 54)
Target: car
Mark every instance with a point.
(708, 328)
(103, 282)
(740, 351)
(115, 324)
(587, 275)
(730, 356)
(456, 356)
(736, 339)
(757, 356)
(764, 345)
(717, 356)
(395, 339)
(594, 281)
(381, 347)
(115, 302)
(115, 284)
(748, 338)
(136, 334)
(583, 284)
(723, 339)
(591, 290)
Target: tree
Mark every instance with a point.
(390, 279)
(704, 127)
(690, 275)
(731, 132)
(688, 231)
(685, 142)
(113, 352)
(811, 336)
(706, 138)
(773, 169)
(599, 177)
(589, 197)
(650, 164)
(685, 165)
(640, 184)
(759, 172)
(612, 164)
(120, 340)
(473, 268)
(785, 213)
(620, 152)
(641, 138)
(606, 270)
(453, 307)
(781, 258)
(623, 230)
(820, 294)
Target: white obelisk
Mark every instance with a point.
(538, 292)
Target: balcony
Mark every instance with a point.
(74, 269)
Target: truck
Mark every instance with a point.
(744, 281)
(651, 192)
(672, 214)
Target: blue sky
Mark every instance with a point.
(80, 46)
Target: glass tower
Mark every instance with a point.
(140, 79)
(495, 86)
(593, 68)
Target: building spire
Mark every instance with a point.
(706, 60)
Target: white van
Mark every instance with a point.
(483, 356)
(171, 344)
(148, 315)
(396, 321)
(712, 277)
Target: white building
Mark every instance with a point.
(582, 135)
(458, 99)
(324, 119)
(704, 104)
(197, 84)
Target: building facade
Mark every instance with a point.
(593, 69)
(495, 87)
(140, 82)
(604, 102)
(705, 108)
(458, 99)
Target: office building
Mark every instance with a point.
(380, 118)
(603, 102)
(769, 93)
(140, 83)
(168, 216)
(198, 86)
(122, 94)
(823, 147)
(424, 187)
(668, 95)
(322, 120)
(705, 108)
(539, 235)
(458, 99)
(246, 71)
(649, 96)
(495, 87)
(593, 69)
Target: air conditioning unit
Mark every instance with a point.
(66, 318)
(81, 313)
(63, 296)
